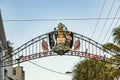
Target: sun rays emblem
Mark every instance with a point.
(60, 40)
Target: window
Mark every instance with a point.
(14, 71)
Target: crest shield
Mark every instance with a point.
(60, 41)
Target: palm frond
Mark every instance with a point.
(111, 46)
(116, 35)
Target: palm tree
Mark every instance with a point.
(115, 46)
(90, 69)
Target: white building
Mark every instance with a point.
(1, 69)
(5, 72)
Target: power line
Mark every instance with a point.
(73, 19)
(47, 68)
(111, 24)
(106, 21)
(98, 19)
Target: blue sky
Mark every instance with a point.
(20, 32)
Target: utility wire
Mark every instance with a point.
(106, 21)
(111, 24)
(99, 18)
(80, 19)
(47, 68)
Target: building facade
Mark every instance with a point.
(18, 73)
(5, 72)
(1, 69)
(3, 46)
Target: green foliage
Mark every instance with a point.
(90, 69)
(114, 47)
(111, 46)
(116, 38)
(116, 35)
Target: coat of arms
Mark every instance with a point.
(61, 40)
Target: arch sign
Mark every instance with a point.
(57, 42)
